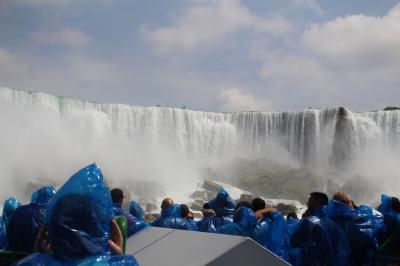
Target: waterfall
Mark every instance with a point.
(330, 138)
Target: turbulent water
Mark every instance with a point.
(45, 136)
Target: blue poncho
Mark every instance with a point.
(23, 227)
(319, 241)
(171, 218)
(10, 205)
(369, 220)
(391, 218)
(134, 224)
(244, 223)
(78, 220)
(223, 205)
(136, 210)
(206, 225)
(363, 247)
(272, 232)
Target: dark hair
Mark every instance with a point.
(292, 215)
(322, 198)
(117, 195)
(242, 204)
(206, 206)
(257, 204)
(396, 204)
(184, 210)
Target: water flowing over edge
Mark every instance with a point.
(334, 139)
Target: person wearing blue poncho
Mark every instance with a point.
(136, 210)
(223, 205)
(81, 229)
(27, 220)
(318, 239)
(171, 216)
(188, 216)
(370, 221)
(362, 246)
(206, 223)
(42, 197)
(134, 225)
(390, 208)
(10, 205)
(272, 232)
(244, 223)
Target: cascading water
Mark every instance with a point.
(47, 136)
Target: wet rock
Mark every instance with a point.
(211, 186)
(197, 195)
(199, 201)
(197, 215)
(150, 217)
(285, 208)
(246, 197)
(196, 207)
(150, 207)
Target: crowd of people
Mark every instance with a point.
(76, 225)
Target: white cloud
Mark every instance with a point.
(234, 99)
(208, 22)
(365, 40)
(67, 37)
(352, 61)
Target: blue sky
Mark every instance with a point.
(222, 55)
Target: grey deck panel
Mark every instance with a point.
(248, 253)
(168, 247)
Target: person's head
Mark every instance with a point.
(75, 227)
(343, 198)
(245, 216)
(166, 203)
(79, 216)
(206, 206)
(396, 204)
(207, 211)
(184, 211)
(136, 210)
(10, 205)
(242, 204)
(42, 196)
(292, 215)
(117, 196)
(223, 204)
(317, 200)
(257, 204)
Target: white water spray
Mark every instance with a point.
(44, 137)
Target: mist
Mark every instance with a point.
(41, 146)
(45, 139)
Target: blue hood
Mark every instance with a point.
(337, 209)
(136, 210)
(386, 204)
(245, 218)
(223, 204)
(42, 196)
(79, 216)
(172, 212)
(10, 205)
